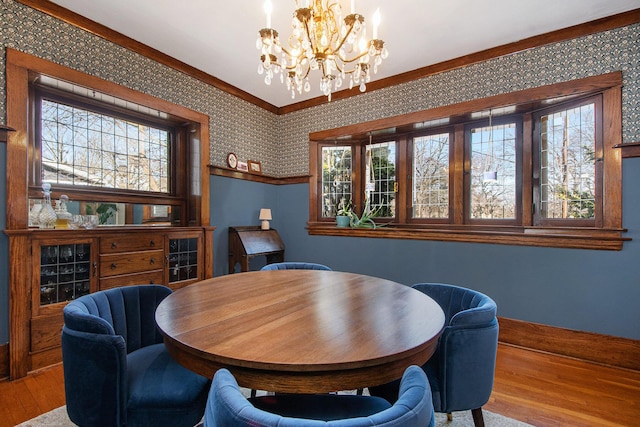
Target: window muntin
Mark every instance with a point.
(493, 192)
(80, 147)
(380, 177)
(568, 163)
(430, 177)
(336, 178)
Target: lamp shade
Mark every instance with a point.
(265, 215)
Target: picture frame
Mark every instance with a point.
(242, 166)
(255, 167)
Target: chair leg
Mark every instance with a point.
(478, 419)
(449, 416)
(253, 392)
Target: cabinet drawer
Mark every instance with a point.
(130, 262)
(142, 242)
(152, 277)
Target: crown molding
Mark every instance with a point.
(599, 25)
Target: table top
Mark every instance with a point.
(302, 331)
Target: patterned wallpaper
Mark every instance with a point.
(281, 142)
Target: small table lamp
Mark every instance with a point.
(265, 217)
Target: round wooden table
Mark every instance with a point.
(300, 331)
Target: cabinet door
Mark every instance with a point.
(64, 270)
(183, 254)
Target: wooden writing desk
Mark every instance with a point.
(248, 242)
(300, 331)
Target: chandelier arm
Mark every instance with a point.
(349, 61)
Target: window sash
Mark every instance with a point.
(562, 194)
(336, 182)
(494, 175)
(430, 183)
(82, 146)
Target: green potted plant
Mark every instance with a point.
(103, 211)
(365, 220)
(343, 216)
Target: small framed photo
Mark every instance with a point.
(255, 167)
(242, 166)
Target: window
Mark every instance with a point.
(81, 147)
(336, 179)
(430, 178)
(516, 170)
(380, 177)
(567, 141)
(176, 191)
(494, 173)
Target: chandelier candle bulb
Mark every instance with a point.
(376, 23)
(268, 9)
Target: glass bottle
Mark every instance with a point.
(34, 213)
(63, 216)
(47, 217)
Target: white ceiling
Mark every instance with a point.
(219, 37)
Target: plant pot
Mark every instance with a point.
(343, 221)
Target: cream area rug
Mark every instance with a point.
(58, 418)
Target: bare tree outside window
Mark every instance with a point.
(493, 172)
(85, 148)
(567, 170)
(431, 176)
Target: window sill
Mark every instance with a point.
(575, 238)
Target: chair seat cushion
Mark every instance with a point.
(157, 381)
(323, 407)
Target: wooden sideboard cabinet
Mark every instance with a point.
(51, 267)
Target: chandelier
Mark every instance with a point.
(321, 40)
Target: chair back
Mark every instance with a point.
(128, 312)
(461, 370)
(227, 407)
(460, 305)
(295, 266)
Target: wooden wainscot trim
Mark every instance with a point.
(629, 150)
(265, 179)
(4, 360)
(588, 346)
(4, 133)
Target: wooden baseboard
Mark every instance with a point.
(4, 360)
(605, 349)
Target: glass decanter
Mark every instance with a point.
(34, 213)
(47, 217)
(63, 216)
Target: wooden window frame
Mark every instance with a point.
(606, 234)
(192, 138)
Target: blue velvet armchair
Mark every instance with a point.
(461, 370)
(290, 265)
(227, 407)
(116, 369)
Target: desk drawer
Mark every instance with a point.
(146, 278)
(130, 262)
(142, 242)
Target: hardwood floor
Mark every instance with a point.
(535, 387)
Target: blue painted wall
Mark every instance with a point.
(596, 291)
